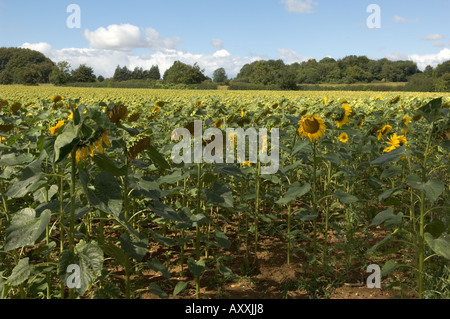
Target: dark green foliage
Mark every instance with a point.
(180, 73)
(24, 66)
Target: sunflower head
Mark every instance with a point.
(218, 123)
(312, 126)
(384, 131)
(118, 113)
(407, 120)
(343, 137)
(56, 98)
(134, 117)
(6, 127)
(395, 142)
(16, 107)
(246, 163)
(138, 148)
(55, 129)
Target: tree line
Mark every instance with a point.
(25, 66)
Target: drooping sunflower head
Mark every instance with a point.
(118, 113)
(343, 137)
(56, 98)
(246, 163)
(16, 107)
(138, 148)
(342, 117)
(384, 131)
(312, 126)
(218, 123)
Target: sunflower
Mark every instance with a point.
(343, 116)
(407, 120)
(55, 129)
(89, 148)
(242, 113)
(384, 131)
(395, 142)
(343, 137)
(246, 163)
(138, 148)
(118, 113)
(312, 126)
(56, 98)
(218, 124)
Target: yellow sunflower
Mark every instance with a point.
(55, 129)
(384, 131)
(395, 142)
(343, 137)
(343, 116)
(407, 120)
(312, 126)
(246, 163)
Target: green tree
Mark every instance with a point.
(122, 74)
(60, 73)
(6, 77)
(220, 76)
(181, 73)
(30, 75)
(83, 74)
(442, 69)
(154, 73)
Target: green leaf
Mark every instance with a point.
(388, 267)
(393, 156)
(107, 292)
(388, 217)
(106, 195)
(436, 228)
(156, 265)
(180, 286)
(25, 228)
(440, 246)
(220, 196)
(433, 189)
(165, 211)
(386, 194)
(346, 198)
(163, 240)
(106, 164)
(154, 288)
(117, 253)
(431, 110)
(65, 142)
(225, 271)
(196, 268)
(222, 239)
(31, 175)
(89, 257)
(333, 158)
(14, 159)
(20, 273)
(391, 172)
(134, 245)
(157, 158)
(295, 191)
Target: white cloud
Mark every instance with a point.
(42, 47)
(217, 43)
(300, 6)
(397, 56)
(433, 37)
(399, 19)
(431, 59)
(126, 37)
(289, 56)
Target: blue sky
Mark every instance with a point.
(226, 33)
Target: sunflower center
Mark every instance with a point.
(311, 126)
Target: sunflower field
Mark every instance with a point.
(93, 206)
